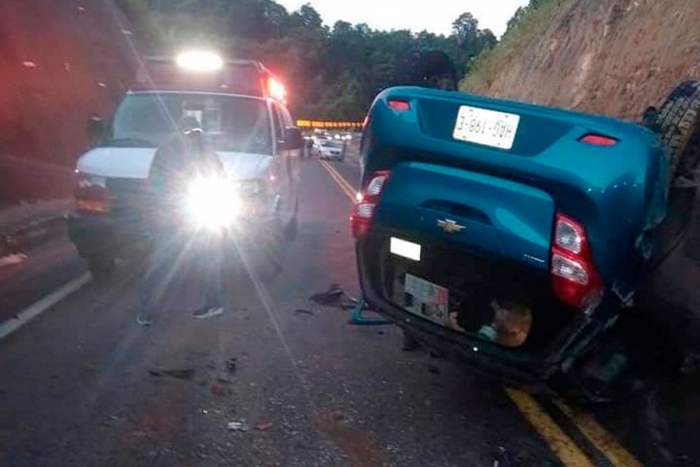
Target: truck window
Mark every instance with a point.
(234, 124)
(279, 127)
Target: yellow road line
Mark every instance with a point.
(599, 437)
(340, 184)
(560, 443)
(340, 181)
(562, 446)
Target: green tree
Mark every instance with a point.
(330, 72)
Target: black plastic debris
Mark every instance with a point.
(231, 365)
(301, 311)
(335, 296)
(186, 374)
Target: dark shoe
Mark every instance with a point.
(208, 312)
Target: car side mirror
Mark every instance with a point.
(293, 139)
(95, 130)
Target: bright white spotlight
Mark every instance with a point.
(199, 60)
(212, 203)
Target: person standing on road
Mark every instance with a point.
(309, 147)
(175, 164)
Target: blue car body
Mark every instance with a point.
(506, 202)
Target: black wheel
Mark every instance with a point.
(679, 125)
(101, 266)
(270, 254)
(428, 68)
(292, 229)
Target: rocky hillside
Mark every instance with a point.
(613, 57)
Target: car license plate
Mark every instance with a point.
(486, 127)
(426, 299)
(405, 249)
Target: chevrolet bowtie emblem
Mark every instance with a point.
(450, 226)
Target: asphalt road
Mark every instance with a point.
(83, 384)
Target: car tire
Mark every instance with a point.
(269, 261)
(678, 122)
(101, 266)
(292, 229)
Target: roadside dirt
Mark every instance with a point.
(613, 57)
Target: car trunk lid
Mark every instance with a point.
(470, 211)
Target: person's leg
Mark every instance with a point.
(211, 258)
(159, 272)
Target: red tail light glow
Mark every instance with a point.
(598, 140)
(575, 279)
(363, 211)
(400, 105)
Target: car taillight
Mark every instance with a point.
(400, 105)
(598, 140)
(91, 194)
(367, 201)
(575, 279)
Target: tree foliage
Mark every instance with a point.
(332, 71)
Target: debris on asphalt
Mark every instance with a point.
(219, 390)
(14, 258)
(186, 374)
(409, 343)
(264, 426)
(237, 426)
(231, 365)
(224, 380)
(303, 312)
(335, 296)
(432, 369)
(500, 457)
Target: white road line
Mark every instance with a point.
(28, 314)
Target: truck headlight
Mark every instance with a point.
(212, 203)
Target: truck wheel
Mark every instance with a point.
(292, 229)
(269, 262)
(100, 267)
(679, 124)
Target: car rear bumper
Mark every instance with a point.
(523, 369)
(100, 236)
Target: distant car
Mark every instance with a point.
(330, 150)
